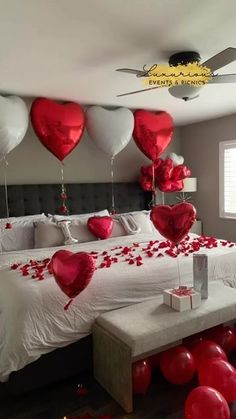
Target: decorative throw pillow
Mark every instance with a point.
(51, 234)
(135, 222)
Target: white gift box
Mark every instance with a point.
(182, 298)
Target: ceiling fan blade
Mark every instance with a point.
(138, 73)
(223, 78)
(221, 59)
(138, 91)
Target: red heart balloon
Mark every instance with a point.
(72, 271)
(146, 183)
(101, 227)
(170, 185)
(181, 172)
(58, 126)
(152, 132)
(173, 222)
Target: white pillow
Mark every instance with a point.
(21, 235)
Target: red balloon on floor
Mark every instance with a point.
(154, 360)
(224, 336)
(141, 374)
(220, 375)
(206, 349)
(206, 403)
(191, 341)
(177, 365)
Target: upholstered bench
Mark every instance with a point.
(123, 336)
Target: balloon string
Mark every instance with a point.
(177, 251)
(67, 305)
(5, 187)
(153, 185)
(163, 198)
(112, 187)
(63, 209)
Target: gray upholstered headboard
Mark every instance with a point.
(82, 198)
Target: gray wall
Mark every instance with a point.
(31, 163)
(200, 147)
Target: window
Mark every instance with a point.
(227, 152)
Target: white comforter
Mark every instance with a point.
(33, 321)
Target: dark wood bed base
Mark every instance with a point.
(82, 198)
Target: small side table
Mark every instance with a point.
(197, 228)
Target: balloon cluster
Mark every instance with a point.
(205, 353)
(165, 174)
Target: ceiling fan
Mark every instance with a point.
(185, 91)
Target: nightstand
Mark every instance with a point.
(197, 228)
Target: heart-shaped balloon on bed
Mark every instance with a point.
(101, 227)
(58, 126)
(152, 132)
(72, 271)
(173, 222)
(14, 119)
(111, 130)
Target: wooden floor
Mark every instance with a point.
(162, 402)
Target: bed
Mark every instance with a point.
(42, 342)
(82, 198)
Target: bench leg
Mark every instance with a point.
(113, 367)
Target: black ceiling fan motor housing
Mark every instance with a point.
(184, 58)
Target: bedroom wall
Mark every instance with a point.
(200, 148)
(31, 163)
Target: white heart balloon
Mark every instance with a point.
(176, 159)
(14, 120)
(111, 130)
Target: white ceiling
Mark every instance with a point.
(69, 49)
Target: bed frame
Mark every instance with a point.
(82, 198)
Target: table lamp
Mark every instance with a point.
(190, 185)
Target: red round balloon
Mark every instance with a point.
(173, 222)
(220, 375)
(152, 132)
(101, 227)
(58, 126)
(177, 365)
(206, 349)
(141, 376)
(206, 403)
(191, 341)
(154, 360)
(223, 336)
(72, 271)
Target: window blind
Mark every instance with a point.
(228, 178)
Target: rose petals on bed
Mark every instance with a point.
(134, 255)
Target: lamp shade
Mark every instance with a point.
(190, 184)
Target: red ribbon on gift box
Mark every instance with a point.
(182, 291)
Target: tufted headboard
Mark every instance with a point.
(82, 198)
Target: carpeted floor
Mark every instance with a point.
(163, 401)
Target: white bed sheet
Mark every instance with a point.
(33, 321)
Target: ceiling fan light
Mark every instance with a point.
(184, 91)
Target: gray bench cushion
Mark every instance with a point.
(150, 325)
